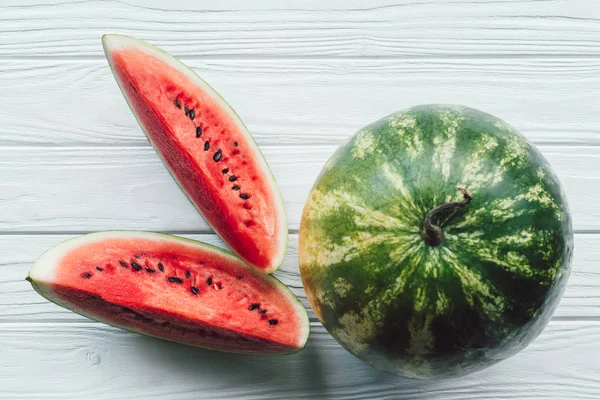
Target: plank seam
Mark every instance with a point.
(267, 57)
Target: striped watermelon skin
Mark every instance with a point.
(423, 311)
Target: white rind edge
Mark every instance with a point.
(43, 271)
(113, 42)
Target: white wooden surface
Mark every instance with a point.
(303, 76)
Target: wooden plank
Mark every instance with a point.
(268, 29)
(289, 102)
(56, 189)
(303, 77)
(91, 361)
(18, 301)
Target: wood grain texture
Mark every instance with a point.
(57, 189)
(92, 361)
(19, 302)
(304, 76)
(307, 102)
(326, 28)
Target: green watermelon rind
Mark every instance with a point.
(347, 283)
(109, 42)
(41, 284)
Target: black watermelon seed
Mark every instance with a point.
(194, 290)
(198, 131)
(177, 103)
(100, 269)
(192, 114)
(136, 266)
(232, 178)
(187, 110)
(150, 270)
(86, 275)
(123, 264)
(240, 276)
(253, 306)
(161, 268)
(244, 196)
(217, 156)
(273, 322)
(262, 312)
(206, 146)
(188, 274)
(225, 170)
(209, 282)
(235, 187)
(235, 144)
(174, 279)
(166, 323)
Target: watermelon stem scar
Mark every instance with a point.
(433, 234)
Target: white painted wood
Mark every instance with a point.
(551, 100)
(314, 28)
(18, 302)
(304, 76)
(91, 361)
(58, 189)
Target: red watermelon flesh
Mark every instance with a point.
(172, 288)
(206, 147)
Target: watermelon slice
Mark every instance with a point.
(206, 147)
(172, 288)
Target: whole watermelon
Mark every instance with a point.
(436, 242)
